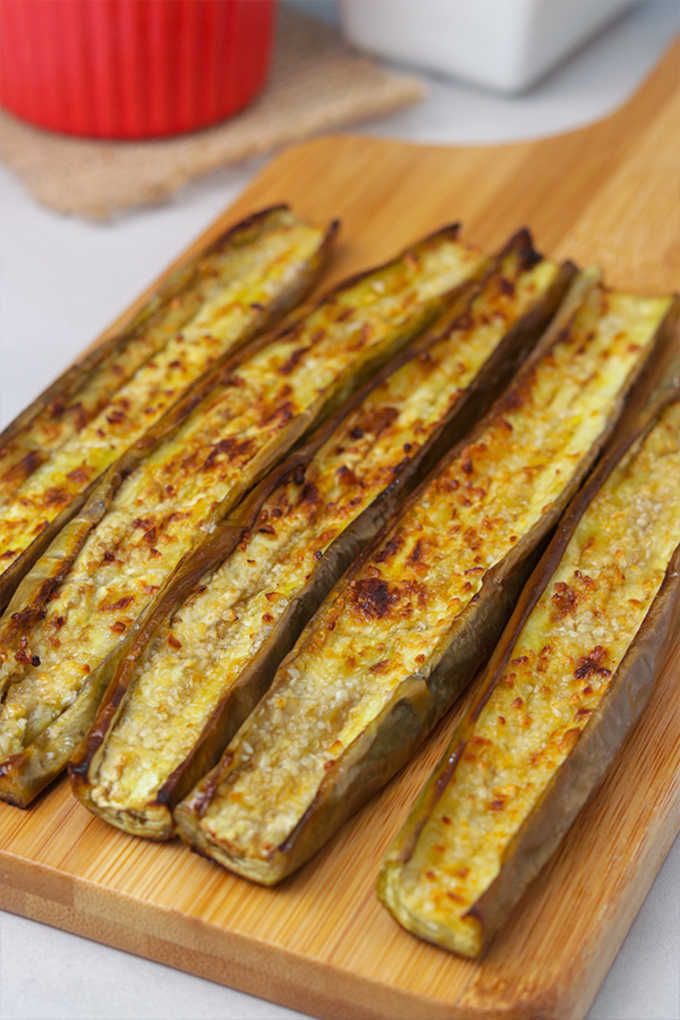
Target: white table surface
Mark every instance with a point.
(61, 282)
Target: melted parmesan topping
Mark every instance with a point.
(392, 617)
(560, 670)
(199, 655)
(69, 446)
(192, 478)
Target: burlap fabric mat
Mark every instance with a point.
(316, 83)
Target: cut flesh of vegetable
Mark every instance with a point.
(209, 663)
(79, 607)
(404, 632)
(569, 686)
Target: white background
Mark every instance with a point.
(62, 281)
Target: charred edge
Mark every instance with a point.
(251, 220)
(166, 794)
(24, 467)
(81, 762)
(520, 243)
(332, 231)
(451, 230)
(25, 619)
(231, 233)
(290, 840)
(201, 800)
(523, 244)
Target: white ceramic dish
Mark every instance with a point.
(502, 44)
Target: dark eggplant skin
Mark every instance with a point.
(581, 773)
(390, 740)
(157, 821)
(66, 387)
(24, 773)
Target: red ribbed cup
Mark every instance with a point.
(132, 68)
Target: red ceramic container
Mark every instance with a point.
(132, 68)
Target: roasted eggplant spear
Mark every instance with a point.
(405, 630)
(52, 453)
(77, 611)
(568, 681)
(174, 705)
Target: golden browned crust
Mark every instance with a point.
(569, 622)
(166, 495)
(404, 632)
(54, 452)
(304, 525)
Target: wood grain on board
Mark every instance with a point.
(607, 194)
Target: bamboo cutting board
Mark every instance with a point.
(608, 194)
